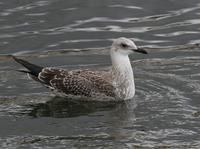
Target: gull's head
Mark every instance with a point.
(125, 46)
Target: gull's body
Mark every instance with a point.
(117, 84)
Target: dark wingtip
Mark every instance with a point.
(33, 69)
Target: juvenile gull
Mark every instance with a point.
(117, 83)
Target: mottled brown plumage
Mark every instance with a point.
(76, 82)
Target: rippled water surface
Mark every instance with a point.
(165, 112)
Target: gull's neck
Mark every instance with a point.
(122, 73)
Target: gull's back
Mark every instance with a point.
(77, 82)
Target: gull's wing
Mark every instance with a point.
(76, 82)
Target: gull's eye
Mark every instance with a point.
(124, 45)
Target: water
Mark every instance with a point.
(165, 112)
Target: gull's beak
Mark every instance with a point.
(140, 50)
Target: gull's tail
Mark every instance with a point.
(32, 68)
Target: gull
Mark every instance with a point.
(115, 84)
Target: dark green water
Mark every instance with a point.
(165, 112)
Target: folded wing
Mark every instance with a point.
(76, 82)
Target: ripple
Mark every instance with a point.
(28, 6)
(125, 6)
(186, 10)
(113, 29)
(70, 9)
(178, 33)
(37, 14)
(7, 36)
(42, 141)
(14, 26)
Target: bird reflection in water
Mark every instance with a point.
(59, 107)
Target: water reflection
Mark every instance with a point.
(61, 108)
